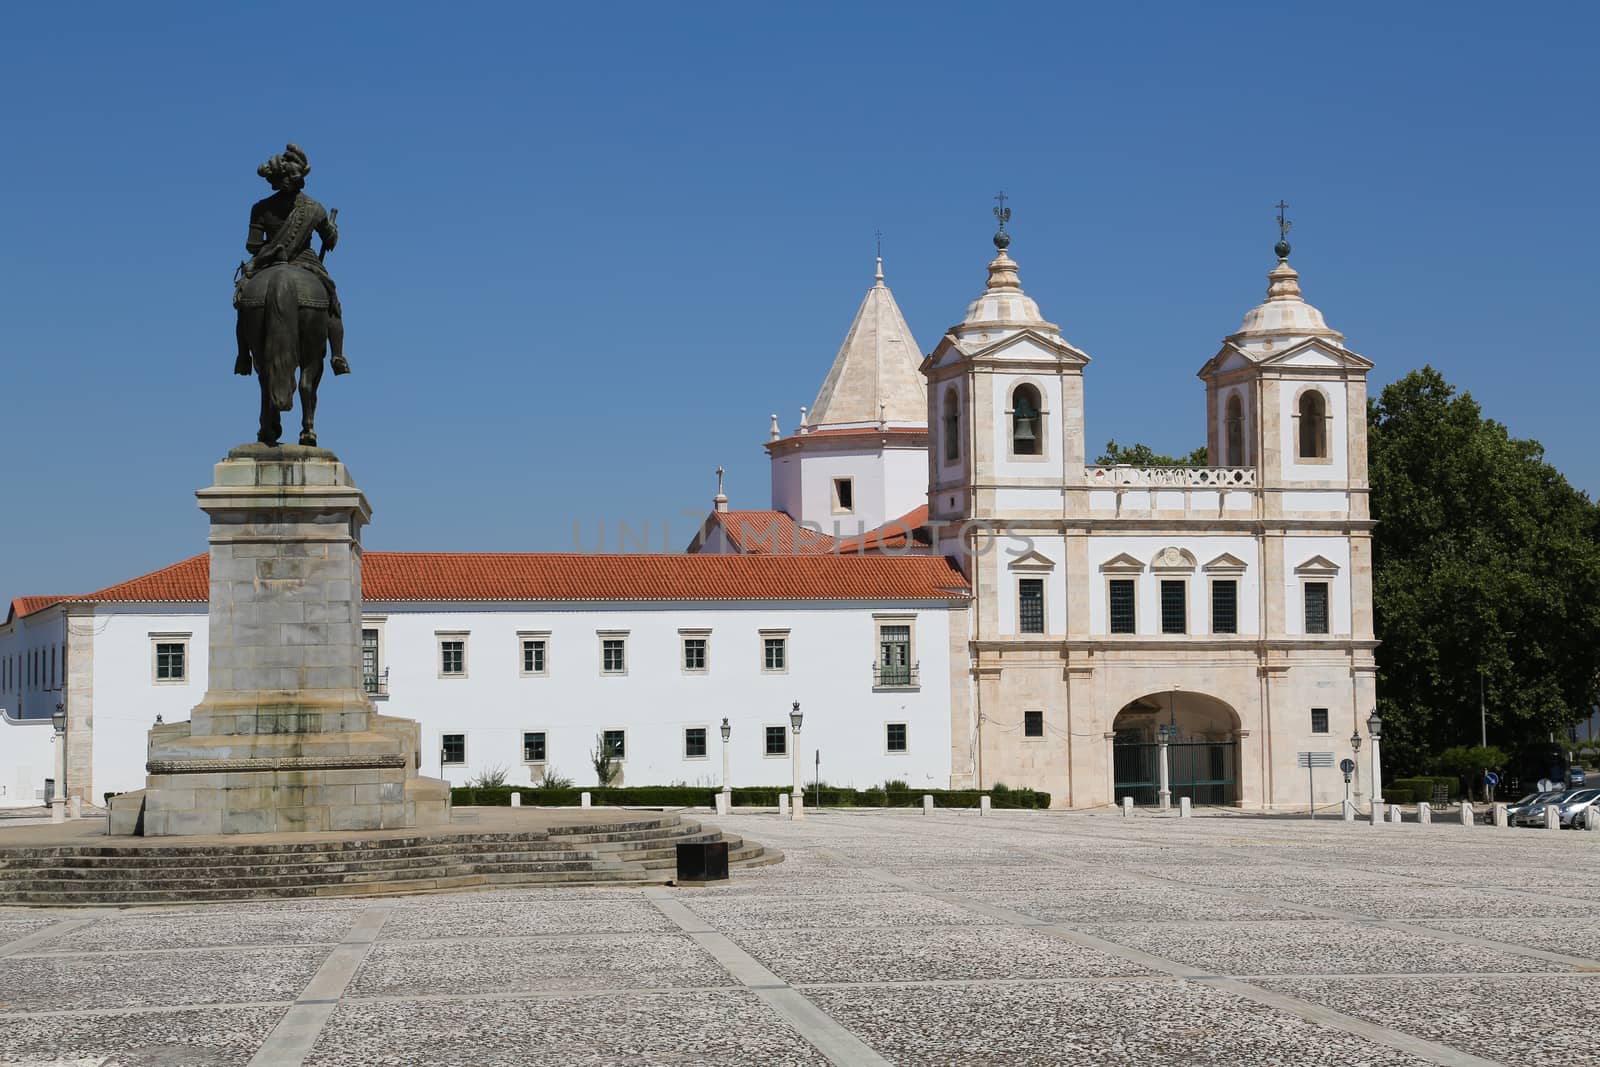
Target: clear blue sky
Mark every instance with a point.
(586, 249)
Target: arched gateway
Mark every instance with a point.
(1202, 749)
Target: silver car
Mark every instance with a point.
(1574, 804)
(1529, 811)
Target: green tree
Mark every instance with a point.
(1484, 557)
(1142, 455)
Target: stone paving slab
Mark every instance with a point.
(885, 954)
(467, 916)
(1543, 1021)
(136, 979)
(612, 961)
(1143, 904)
(193, 1037)
(1572, 937)
(723, 1028)
(844, 911)
(1126, 1022)
(140, 930)
(1423, 902)
(1308, 947)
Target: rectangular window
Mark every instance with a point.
(616, 742)
(171, 657)
(777, 740)
(895, 737)
(694, 742)
(1319, 720)
(614, 655)
(533, 750)
(1224, 606)
(774, 654)
(894, 654)
(1316, 607)
(534, 651)
(453, 748)
(370, 677)
(453, 656)
(1030, 605)
(1033, 724)
(1174, 606)
(694, 655)
(844, 496)
(1122, 613)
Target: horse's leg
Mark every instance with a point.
(313, 339)
(271, 421)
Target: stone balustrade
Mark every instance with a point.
(1173, 477)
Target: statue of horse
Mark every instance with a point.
(282, 331)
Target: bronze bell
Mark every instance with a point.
(1025, 428)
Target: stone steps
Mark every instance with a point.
(624, 852)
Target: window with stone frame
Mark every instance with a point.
(774, 652)
(694, 742)
(452, 655)
(452, 748)
(370, 677)
(614, 655)
(533, 746)
(169, 658)
(1224, 606)
(1319, 720)
(895, 738)
(1027, 428)
(895, 668)
(1233, 431)
(1316, 605)
(844, 496)
(535, 654)
(695, 650)
(1030, 605)
(615, 742)
(1123, 616)
(1174, 606)
(777, 740)
(952, 425)
(1033, 724)
(1313, 428)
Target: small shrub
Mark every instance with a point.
(553, 779)
(999, 787)
(489, 778)
(896, 785)
(605, 762)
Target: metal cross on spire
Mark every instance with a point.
(1284, 225)
(1002, 212)
(879, 235)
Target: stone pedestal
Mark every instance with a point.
(285, 738)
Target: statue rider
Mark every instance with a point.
(280, 232)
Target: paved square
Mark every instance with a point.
(885, 937)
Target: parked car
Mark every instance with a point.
(1529, 811)
(1574, 804)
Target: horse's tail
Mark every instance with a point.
(282, 340)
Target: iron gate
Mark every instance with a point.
(1204, 771)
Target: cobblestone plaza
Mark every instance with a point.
(884, 937)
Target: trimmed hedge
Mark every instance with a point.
(1423, 787)
(1394, 794)
(673, 796)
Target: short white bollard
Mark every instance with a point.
(783, 804)
(1349, 811)
(1552, 817)
(583, 800)
(74, 807)
(1185, 808)
(1468, 816)
(797, 806)
(1501, 818)
(1394, 813)
(1127, 807)
(927, 803)
(516, 799)
(1591, 817)
(1376, 814)
(1424, 812)
(983, 805)
(722, 803)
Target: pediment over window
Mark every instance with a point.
(1318, 567)
(1033, 561)
(1227, 563)
(1173, 558)
(1122, 564)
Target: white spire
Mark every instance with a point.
(874, 378)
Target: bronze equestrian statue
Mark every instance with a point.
(288, 306)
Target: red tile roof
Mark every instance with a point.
(519, 576)
(27, 605)
(897, 535)
(770, 533)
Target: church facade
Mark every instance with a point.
(954, 593)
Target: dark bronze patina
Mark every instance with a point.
(288, 307)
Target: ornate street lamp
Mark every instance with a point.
(1355, 740)
(727, 732)
(795, 716)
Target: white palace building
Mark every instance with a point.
(953, 593)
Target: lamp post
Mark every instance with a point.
(794, 721)
(1164, 734)
(727, 732)
(1375, 729)
(58, 800)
